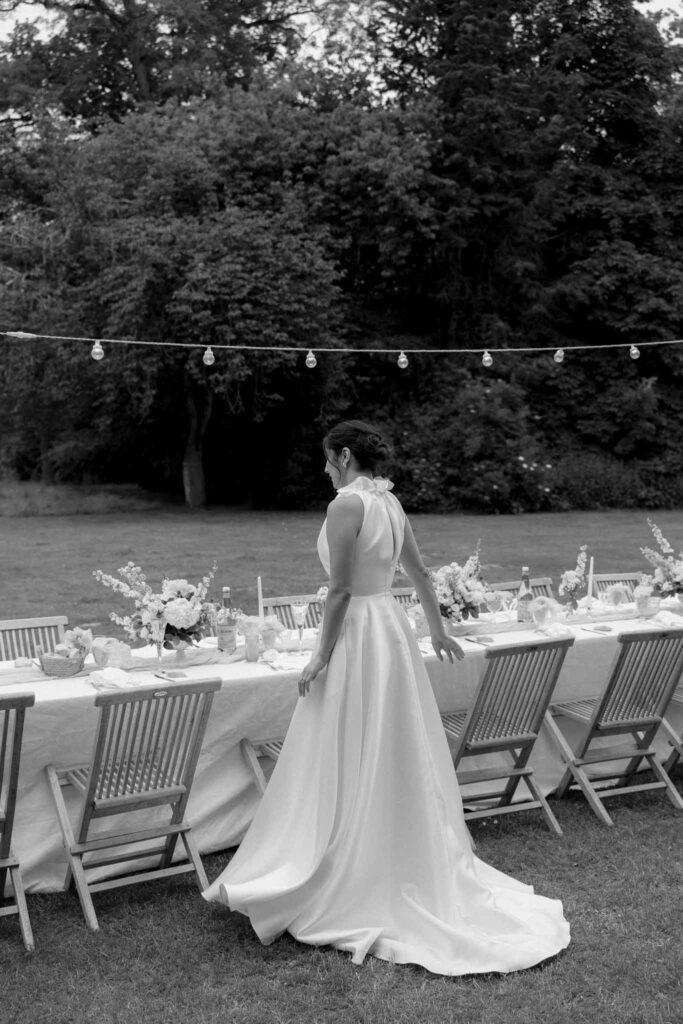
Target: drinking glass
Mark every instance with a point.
(299, 612)
(158, 631)
(495, 602)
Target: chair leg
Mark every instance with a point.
(252, 762)
(20, 900)
(576, 772)
(662, 775)
(677, 745)
(550, 819)
(75, 860)
(193, 855)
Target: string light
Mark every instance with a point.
(208, 358)
(487, 359)
(311, 361)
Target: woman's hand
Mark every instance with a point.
(311, 670)
(442, 642)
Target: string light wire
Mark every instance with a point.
(30, 335)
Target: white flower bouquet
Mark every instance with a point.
(668, 567)
(460, 589)
(179, 612)
(573, 580)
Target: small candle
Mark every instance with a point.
(259, 592)
(590, 580)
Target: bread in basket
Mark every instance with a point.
(55, 664)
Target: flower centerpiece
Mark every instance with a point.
(179, 614)
(460, 589)
(668, 567)
(572, 581)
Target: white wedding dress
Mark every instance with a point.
(360, 841)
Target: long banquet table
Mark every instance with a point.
(254, 701)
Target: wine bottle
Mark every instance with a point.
(524, 597)
(226, 625)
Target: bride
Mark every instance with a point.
(360, 841)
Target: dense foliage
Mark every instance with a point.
(451, 174)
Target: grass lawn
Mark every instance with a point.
(164, 955)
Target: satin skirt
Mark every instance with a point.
(360, 841)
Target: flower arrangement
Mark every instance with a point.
(180, 612)
(573, 580)
(668, 574)
(460, 589)
(78, 639)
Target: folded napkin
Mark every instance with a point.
(112, 679)
(285, 661)
(665, 618)
(556, 630)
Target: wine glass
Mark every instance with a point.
(495, 602)
(541, 611)
(157, 628)
(299, 611)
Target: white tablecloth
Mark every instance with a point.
(254, 701)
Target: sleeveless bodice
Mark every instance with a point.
(380, 538)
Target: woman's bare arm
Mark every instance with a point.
(411, 560)
(344, 520)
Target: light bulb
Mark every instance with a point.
(97, 352)
(559, 356)
(311, 361)
(208, 358)
(487, 359)
(634, 352)
(402, 360)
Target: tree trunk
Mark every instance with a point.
(199, 402)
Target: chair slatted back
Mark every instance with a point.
(541, 586)
(602, 581)
(12, 713)
(148, 741)
(20, 637)
(282, 607)
(404, 595)
(514, 693)
(644, 676)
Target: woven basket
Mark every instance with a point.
(58, 665)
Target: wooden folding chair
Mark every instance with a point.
(674, 738)
(541, 586)
(602, 581)
(146, 749)
(404, 595)
(644, 675)
(252, 750)
(12, 712)
(507, 713)
(19, 637)
(282, 607)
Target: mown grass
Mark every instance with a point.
(164, 955)
(46, 561)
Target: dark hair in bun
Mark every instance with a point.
(364, 442)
